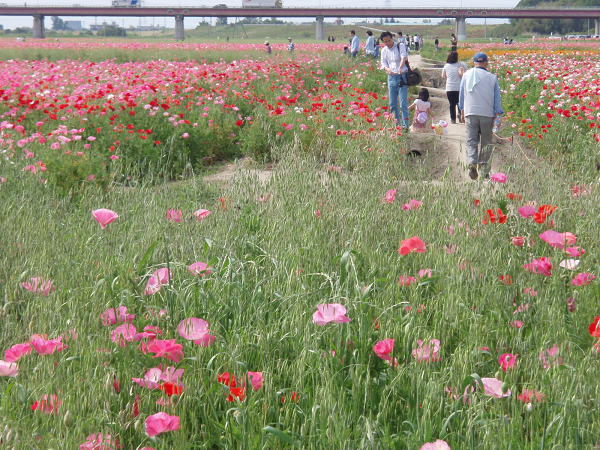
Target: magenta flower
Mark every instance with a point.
(530, 291)
(193, 328)
(167, 349)
(542, 266)
(154, 376)
(553, 239)
(201, 214)
(110, 318)
(174, 215)
(199, 268)
(161, 423)
(570, 238)
(39, 286)
(205, 340)
(330, 312)
(582, 279)
(529, 394)
(389, 196)
(493, 388)
(15, 353)
(256, 379)
(413, 244)
(437, 445)
(527, 211)
(8, 369)
(149, 332)
(405, 280)
(498, 177)
(427, 353)
(99, 442)
(425, 272)
(384, 348)
(47, 347)
(104, 216)
(412, 204)
(549, 357)
(507, 361)
(155, 282)
(123, 333)
(575, 251)
(48, 404)
(516, 324)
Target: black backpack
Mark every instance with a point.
(413, 77)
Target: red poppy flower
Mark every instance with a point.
(506, 279)
(236, 393)
(543, 212)
(170, 389)
(227, 379)
(295, 397)
(593, 328)
(239, 123)
(512, 196)
(492, 216)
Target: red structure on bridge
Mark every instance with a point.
(179, 13)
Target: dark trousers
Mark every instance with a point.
(453, 100)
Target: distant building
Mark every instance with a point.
(103, 25)
(339, 22)
(74, 25)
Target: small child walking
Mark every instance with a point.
(422, 108)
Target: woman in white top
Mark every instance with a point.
(452, 73)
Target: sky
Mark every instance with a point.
(13, 22)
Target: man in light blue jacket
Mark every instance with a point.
(479, 103)
(354, 44)
(370, 45)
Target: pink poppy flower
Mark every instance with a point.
(167, 349)
(114, 157)
(553, 239)
(528, 395)
(201, 214)
(412, 204)
(384, 348)
(498, 177)
(516, 324)
(575, 251)
(549, 357)
(17, 351)
(185, 135)
(47, 405)
(8, 369)
(414, 244)
(174, 215)
(389, 196)
(437, 445)
(29, 168)
(424, 272)
(542, 266)
(123, 333)
(192, 328)
(507, 361)
(569, 264)
(570, 238)
(519, 241)
(156, 281)
(527, 211)
(583, 279)
(330, 312)
(530, 291)
(99, 442)
(199, 268)
(205, 340)
(405, 280)
(161, 423)
(571, 304)
(47, 347)
(493, 388)
(39, 286)
(149, 332)
(104, 216)
(110, 318)
(427, 353)
(256, 379)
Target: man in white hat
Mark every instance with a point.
(479, 103)
(290, 45)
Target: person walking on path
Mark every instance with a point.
(393, 62)
(437, 44)
(479, 103)
(268, 48)
(291, 46)
(453, 42)
(354, 44)
(416, 42)
(453, 72)
(422, 107)
(370, 45)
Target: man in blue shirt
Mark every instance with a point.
(370, 45)
(354, 44)
(479, 103)
(291, 46)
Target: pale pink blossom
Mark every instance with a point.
(330, 312)
(199, 268)
(157, 280)
(8, 369)
(493, 388)
(427, 353)
(412, 204)
(192, 328)
(201, 214)
(104, 216)
(437, 445)
(39, 286)
(161, 423)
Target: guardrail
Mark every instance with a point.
(528, 8)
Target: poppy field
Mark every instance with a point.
(347, 302)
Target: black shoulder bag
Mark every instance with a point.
(413, 77)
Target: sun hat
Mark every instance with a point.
(480, 57)
(289, 39)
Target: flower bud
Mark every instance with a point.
(529, 407)
(68, 419)
(8, 436)
(498, 376)
(504, 387)
(139, 424)
(239, 416)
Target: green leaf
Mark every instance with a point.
(149, 252)
(282, 436)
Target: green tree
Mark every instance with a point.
(113, 31)
(222, 21)
(57, 23)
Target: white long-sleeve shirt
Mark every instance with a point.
(391, 58)
(370, 46)
(355, 44)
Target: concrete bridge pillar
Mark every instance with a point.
(320, 35)
(179, 30)
(38, 27)
(461, 28)
(597, 23)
